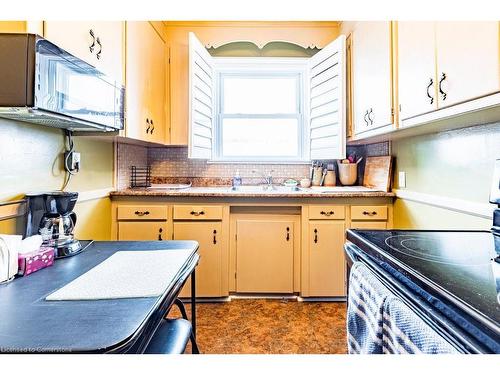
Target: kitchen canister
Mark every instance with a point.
(317, 176)
(348, 173)
(330, 178)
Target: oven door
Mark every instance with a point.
(69, 86)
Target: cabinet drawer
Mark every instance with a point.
(197, 212)
(142, 212)
(327, 212)
(368, 212)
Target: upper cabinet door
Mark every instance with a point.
(201, 99)
(156, 101)
(138, 84)
(327, 73)
(100, 43)
(467, 60)
(372, 75)
(417, 88)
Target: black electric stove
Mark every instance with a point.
(458, 268)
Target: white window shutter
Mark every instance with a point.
(327, 119)
(201, 99)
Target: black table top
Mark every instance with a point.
(29, 323)
(458, 264)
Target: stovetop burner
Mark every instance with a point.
(429, 248)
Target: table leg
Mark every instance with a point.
(193, 302)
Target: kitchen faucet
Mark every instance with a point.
(268, 179)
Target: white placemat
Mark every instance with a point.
(126, 274)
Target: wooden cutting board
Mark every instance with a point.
(378, 172)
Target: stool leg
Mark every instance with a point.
(182, 309)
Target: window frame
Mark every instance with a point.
(261, 68)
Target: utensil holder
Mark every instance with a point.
(348, 173)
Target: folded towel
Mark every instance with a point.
(406, 333)
(365, 311)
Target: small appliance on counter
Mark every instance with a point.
(51, 215)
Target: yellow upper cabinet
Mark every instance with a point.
(468, 60)
(371, 63)
(146, 60)
(417, 88)
(445, 63)
(100, 43)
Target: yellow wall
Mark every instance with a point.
(31, 160)
(456, 164)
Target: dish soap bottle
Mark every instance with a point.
(237, 180)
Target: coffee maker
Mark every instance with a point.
(51, 215)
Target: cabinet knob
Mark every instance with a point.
(443, 94)
(431, 82)
(141, 213)
(373, 213)
(159, 234)
(98, 54)
(315, 235)
(288, 233)
(92, 45)
(215, 237)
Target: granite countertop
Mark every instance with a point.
(258, 192)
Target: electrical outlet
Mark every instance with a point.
(73, 160)
(402, 179)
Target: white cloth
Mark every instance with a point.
(126, 274)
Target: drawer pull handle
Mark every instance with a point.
(215, 237)
(141, 213)
(329, 213)
(149, 126)
(98, 54)
(197, 213)
(431, 82)
(92, 46)
(315, 236)
(288, 233)
(366, 213)
(159, 234)
(443, 94)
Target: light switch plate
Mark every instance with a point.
(402, 179)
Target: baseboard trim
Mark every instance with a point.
(483, 210)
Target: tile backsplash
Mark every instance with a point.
(170, 163)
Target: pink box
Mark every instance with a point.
(32, 262)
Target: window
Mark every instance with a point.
(260, 112)
(267, 109)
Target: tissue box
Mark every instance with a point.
(32, 262)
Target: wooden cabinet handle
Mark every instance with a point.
(197, 213)
(98, 54)
(288, 233)
(91, 47)
(315, 236)
(329, 213)
(215, 237)
(443, 94)
(431, 82)
(366, 213)
(159, 234)
(141, 213)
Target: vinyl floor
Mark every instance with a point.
(260, 326)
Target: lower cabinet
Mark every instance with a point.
(264, 256)
(209, 270)
(326, 258)
(142, 231)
